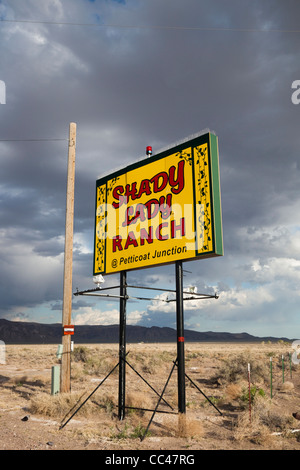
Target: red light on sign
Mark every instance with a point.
(149, 150)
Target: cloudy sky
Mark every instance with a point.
(135, 73)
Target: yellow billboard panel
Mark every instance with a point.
(160, 210)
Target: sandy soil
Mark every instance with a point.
(216, 417)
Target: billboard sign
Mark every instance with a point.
(160, 209)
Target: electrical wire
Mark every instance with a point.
(32, 140)
(177, 28)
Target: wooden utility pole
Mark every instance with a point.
(65, 377)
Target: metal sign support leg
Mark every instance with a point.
(180, 338)
(122, 344)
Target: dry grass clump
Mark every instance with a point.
(58, 406)
(287, 387)
(106, 402)
(189, 428)
(92, 362)
(151, 362)
(259, 424)
(178, 426)
(36, 381)
(233, 391)
(275, 419)
(139, 400)
(252, 430)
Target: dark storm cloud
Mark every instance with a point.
(164, 71)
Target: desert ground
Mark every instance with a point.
(224, 410)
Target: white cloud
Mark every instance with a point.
(134, 317)
(240, 298)
(90, 316)
(276, 270)
(160, 303)
(93, 316)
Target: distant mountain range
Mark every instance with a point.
(12, 332)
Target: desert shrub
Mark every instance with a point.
(235, 369)
(101, 366)
(254, 393)
(59, 405)
(92, 362)
(193, 355)
(80, 354)
(139, 432)
(150, 362)
(106, 402)
(270, 416)
(265, 420)
(129, 432)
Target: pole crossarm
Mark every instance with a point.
(203, 296)
(97, 292)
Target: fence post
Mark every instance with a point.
(249, 392)
(271, 378)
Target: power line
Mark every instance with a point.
(177, 28)
(32, 140)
